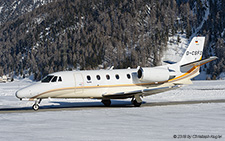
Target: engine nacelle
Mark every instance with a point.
(153, 74)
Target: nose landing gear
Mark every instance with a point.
(35, 107)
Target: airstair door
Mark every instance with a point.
(79, 83)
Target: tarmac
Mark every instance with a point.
(98, 105)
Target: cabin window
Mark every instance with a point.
(117, 76)
(107, 77)
(60, 79)
(47, 79)
(128, 76)
(98, 77)
(54, 79)
(88, 77)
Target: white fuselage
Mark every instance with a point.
(88, 84)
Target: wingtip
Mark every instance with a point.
(213, 57)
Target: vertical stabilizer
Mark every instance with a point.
(194, 51)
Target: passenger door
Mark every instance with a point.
(79, 83)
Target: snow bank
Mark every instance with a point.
(222, 76)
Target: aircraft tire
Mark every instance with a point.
(107, 103)
(35, 107)
(136, 104)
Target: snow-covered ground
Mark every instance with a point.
(121, 123)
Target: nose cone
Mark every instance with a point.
(28, 92)
(19, 94)
(23, 93)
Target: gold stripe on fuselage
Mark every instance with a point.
(188, 73)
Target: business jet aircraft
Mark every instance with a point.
(119, 83)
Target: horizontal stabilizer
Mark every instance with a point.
(169, 62)
(199, 62)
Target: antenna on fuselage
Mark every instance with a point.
(111, 68)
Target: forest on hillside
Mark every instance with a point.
(92, 34)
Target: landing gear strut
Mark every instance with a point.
(136, 100)
(107, 103)
(35, 107)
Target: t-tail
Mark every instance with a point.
(193, 55)
(191, 61)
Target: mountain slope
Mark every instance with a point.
(83, 34)
(12, 9)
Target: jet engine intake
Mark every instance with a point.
(153, 74)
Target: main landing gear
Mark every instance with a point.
(36, 104)
(137, 101)
(107, 103)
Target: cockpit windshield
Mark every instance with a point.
(51, 78)
(47, 79)
(54, 79)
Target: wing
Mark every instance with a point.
(143, 92)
